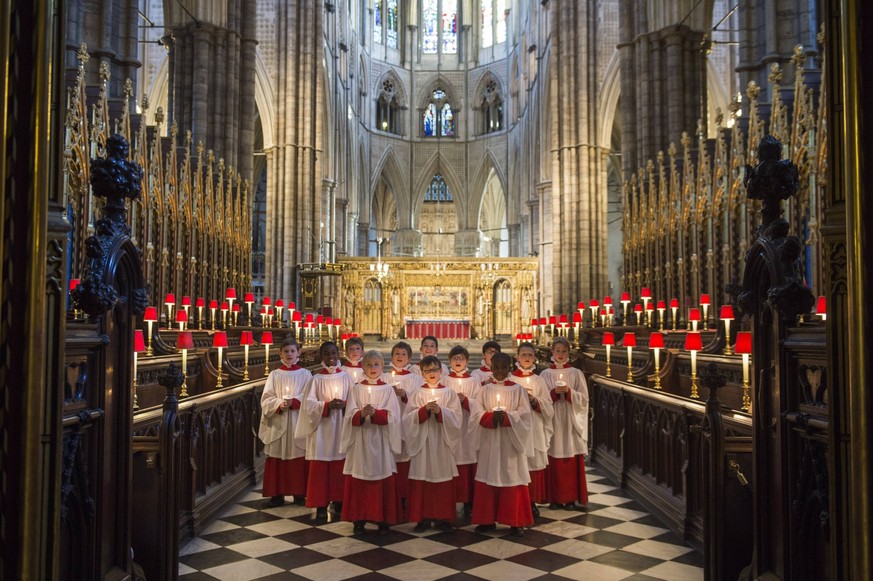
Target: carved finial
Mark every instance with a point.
(774, 179)
(820, 37)
(719, 116)
(713, 380)
(221, 164)
(174, 131)
(128, 88)
(734, 107)
(650, 165)
(188, 140)
(145, 103)
(210, 156)
(104, 71)
(701, 129)
(671, 151)
(661, 157)
(685, 140)
(798, 57)
(82, 55)
(159, 115)
(172, 379)
(200, 148)
(753, 90)
(775, 76)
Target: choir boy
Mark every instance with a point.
(285, 469)
(467, 388)
(370, 441)
(483, 373)
(354, 353)
(569, 392)
(321, 423)
(432, 424)
(430, 347)
(501, 431)
(541, 424)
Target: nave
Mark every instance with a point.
(615, 540)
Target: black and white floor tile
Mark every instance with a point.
(615, 540)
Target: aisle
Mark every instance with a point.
(615, 540)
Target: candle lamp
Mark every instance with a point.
(580, 307)
(577, 324)
(138, 347)
(650, 308)
(656, 343)
(185, 341)
(213, 306)
(821, 308)
(337, 323)
(308, 323)
(245, 339)
(630, 341)
(610, 313)
(563, 324)
(553, 320)
(662, 306)
(609, 343)
(199, 304)
(674, 307)
(726, 314)
(292, 306)
(74, 284)
(328, 322)
(224, 309)
(264, 311)
(693, 343)
(230, 295)
(296, 318)
(266, 341)
(219, 341)
(594, 305)
(268, 303)
(704, 306)
(170, 300)
(603, 315)
(150, 317)
(236, 309)
(181, 319)
(186, 304)
(542, 328)
(319, 320)
(694, 318)
(625, 301)
(280, 304)
(638, 314)
(517, 339)
(249, 300)
(744, 348)
(646, 295)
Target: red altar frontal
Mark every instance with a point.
(442, 329)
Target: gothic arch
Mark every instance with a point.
(489, 163)
(489, 104)
(399, 87)
(438, 162)
(389, 170)
(609, 95)
(438, 81)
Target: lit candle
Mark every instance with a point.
(370, 395)
(498, 401)
(335, 392)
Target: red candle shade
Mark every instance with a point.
(236, 308)
(170, 299)
(319, 319)
(337, 322)
(74, 282)
(581, 306)
(693, 342)
(594, 303)
(298, 316)
(292, 305)
(646, 293)
(534, 322)
(577, 318)
(608, 338)
(744, 343)
(726, 313)
(280, 304)
(656, 341)
(674, 303)
(186, 301)
(694, 314)
(267, 301)
(328, 321)
(821, 308)
(249, 298)
(309, 318)
(607, 301)
(625, 298)
(151, 315)
(213, 304)
(265, 310)
(185, 340)
(543, 322)
(553, 320)
(200, 302)
(267, 338)
(662, 305)
(649, 308)
(219, 339)
(224, 306)
(245, 338)
(138, 341)
(630, 340)
(230, 294)
(704, 299)
(181, 316)
(638, 308)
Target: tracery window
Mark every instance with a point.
(438, 190)
(493, 14)
(439, 26)
(490, 108)
(388, 108)
(438, 118)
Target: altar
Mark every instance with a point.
(443, 329)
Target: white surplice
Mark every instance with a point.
(571, 419)
(503, 452)
(483, 374)
(541, 423)
(323, 433)
(432, 444)
(356, 370)
(369, 448)
(409, 382)
(277, 430)
(469, 386)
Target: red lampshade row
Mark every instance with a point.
(694, 314)
(656, 341)
(693, 342)
(151, 314)
(630, 340)
(674, 303)
(181, 316)
(230, 294)
(704, 299)
(138, 341)
(726, 313)
(185, 340)
(608, 338)
(200, 302)
(646, 293)
(170, 299)
(219, 339)
(267, 338)
(186, 301)
(744, 343)
(249, 298)
(245, 338)
(821, 306)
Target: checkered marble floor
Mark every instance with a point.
(615, 540)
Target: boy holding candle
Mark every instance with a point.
(541, 422)
(354, 353)
(501, 432)
(569, 393)
(321, 423)
(467, 387)
(430, 347)
(405, 384)
(483, 374)
(432, 424)
(370, 441)
(286, 468)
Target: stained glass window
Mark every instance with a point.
(501, 21)
(430, 114)
(377, 22)
(438, 190)
(447, 121)
(392, 23)
(450, 26)
(487, 17)
(429, 32)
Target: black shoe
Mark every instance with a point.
(384, 529)
(275, 501)
(359, 527)
(468, 508)
(570, 506)
(336, 507)
(443, 526)
(516, 531)
(485, 528)
(534, 510)
(555, 506)
(421, 527)
(321, 513)
(300, 500)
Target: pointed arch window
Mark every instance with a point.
(386, 16)
(438, 190)
(439, 26)
(388, 108)
(438, 118)
(493, 14)
(490, 108)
